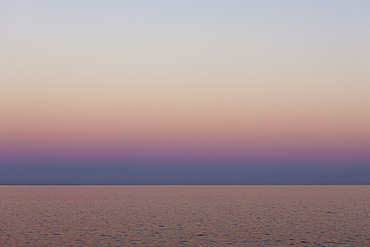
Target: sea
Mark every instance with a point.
(185, 215)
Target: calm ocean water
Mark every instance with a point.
(184, 215)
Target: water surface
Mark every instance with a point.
(184, 215)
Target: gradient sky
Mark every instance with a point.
(177, 92)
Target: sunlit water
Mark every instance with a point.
(184, 215)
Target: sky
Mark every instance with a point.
(184, 92)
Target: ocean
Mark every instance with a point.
(181, 215)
